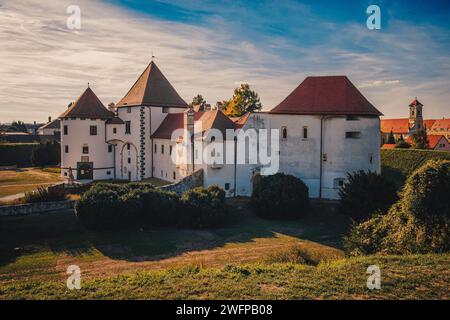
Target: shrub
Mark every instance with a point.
(43, 194)
(365, 193)
(103, 209)
(203, 208)
(281, 197)
(418, 223)
(46, 154)
(160, 208)
(16, 154)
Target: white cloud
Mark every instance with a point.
(48, 65)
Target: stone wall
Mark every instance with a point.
(35, 208)
(192, 181)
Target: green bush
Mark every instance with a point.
(418, 223)
(43, 194)
(365, 193)
(203, 208)
(280, 197)
(16, 154)
(46, 154)
(160, 208)
(103, 209)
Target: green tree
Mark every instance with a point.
(391, 139)
(244, 100)
(198, 100)
(420, 139)
(17, 126)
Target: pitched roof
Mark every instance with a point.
(441, 124)
(55, 124)
(88, 105)
(214, 119)
(429, 123)
(329, 95)
(115, 120)
(434, 140)
(240, 121)
(415, 103)
(398, 126)
(388, 146)
(152, 89)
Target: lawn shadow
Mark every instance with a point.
(63, 234)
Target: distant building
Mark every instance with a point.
(405, 127)
(51, 128)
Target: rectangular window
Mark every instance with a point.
(156, 148)
(284, 133)
(114, 130)
(353, 135)
(128, 109)
(66, 130)
(162, 149)
(128, 146)
(127, 127)
(66, 149)
(170, 150)
(129, 160)
(352, 118)
(85, 150)
(110, 148)
(93, 130)
(174, 175)
(305, 132)
(108, 173)
(227, 186)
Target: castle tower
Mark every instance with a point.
(415, 116)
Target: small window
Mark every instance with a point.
(128, 109)
(66, 149)
(227, 186)
(65, 174)
(66, 130)
(108, 173)
(162, 149)
(174, 175)
(128, 146)
(85, 150)
(352, 118)
(127, 127)
(339, 183)
(170, 150)
(93, 130)
(114, 130)
(129, 160)
(110, 148)
(284, 133)
(353, 135)
(213, 138)
(305, 132)
(156, 148)
(324, 157)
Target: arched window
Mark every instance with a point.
(284, 132)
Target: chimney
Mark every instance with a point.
(219, 105)
(189, 120)
(49, 119)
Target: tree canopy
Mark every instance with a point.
(244, 100)
(198, 100)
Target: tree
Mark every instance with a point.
(420, 139)
(391, 139)
(18, 126)
(244, 100)
(198, 100)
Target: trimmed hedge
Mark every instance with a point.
(46, 154)
(16, 154)
(281, 197)
(418, 223)
(115, 206)
(398, 164)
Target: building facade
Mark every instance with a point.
(326, 129)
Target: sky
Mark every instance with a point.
(210, 47)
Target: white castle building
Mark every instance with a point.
(326, 127)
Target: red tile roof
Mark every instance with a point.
(330, 95)
(240, 121)
(428, 123)
(397, 126)
(388, 146)
(434, 140)
(88, 105)
(441, 124)
(209, 120)
(152, 89)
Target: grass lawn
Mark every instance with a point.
(232, 262)
(23, 180)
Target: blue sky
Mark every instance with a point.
(210, 47)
